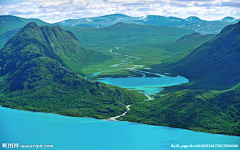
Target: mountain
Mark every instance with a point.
(188, 42)
(64, 44)
(120, 32)
(99, 22)
(8, 22)
(133, 39)
(210, 27)
(228, 19)
(168, 21)
(193, 22)
(217, 61)
(7, 36)
(213, 65)
(174, 51)
(193, 19)
(36, 73)
(210, 101)
(108, 20)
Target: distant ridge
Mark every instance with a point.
(193, 22)
(108, 20)
(8, 22)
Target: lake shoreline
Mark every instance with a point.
(107, 119)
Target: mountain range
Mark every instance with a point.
(37, 73)
(108, 20)
(199, 25)
(210, 101)
(8, 22)
(210, 27)
(41, 69)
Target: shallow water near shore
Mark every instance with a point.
(72, 133)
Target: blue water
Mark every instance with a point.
(150, 85)
(94, 74)
(71, 133)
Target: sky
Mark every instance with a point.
(53, 11)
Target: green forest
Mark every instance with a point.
(42, 68)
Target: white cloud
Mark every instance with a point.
(26, 4)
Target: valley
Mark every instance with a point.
(189, 80)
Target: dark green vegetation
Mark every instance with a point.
(7, 36)
(198, 105)
(205, 111)
(121, 34)
(144, 41)
(36, 74)
(38, 65)
(213, 65)
(55, 43)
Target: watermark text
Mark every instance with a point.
(17, 145)
(204, 146)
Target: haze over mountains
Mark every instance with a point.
(201, 26)
(8, 22)
(104, 21)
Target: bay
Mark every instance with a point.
(72, 133)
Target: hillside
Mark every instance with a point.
(184, 45)
(133, 39)
(127, 36)
(213, 65)
(188, 42)
(7, 36)
(198, 110)
(217, 61)
(34, 76)
(210, 101)
(55, 43)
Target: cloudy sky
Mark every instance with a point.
(58, 10)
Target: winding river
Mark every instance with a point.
(147, 85)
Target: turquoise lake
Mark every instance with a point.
(150, 85)
(70, 133)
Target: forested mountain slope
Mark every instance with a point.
(36, 74)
